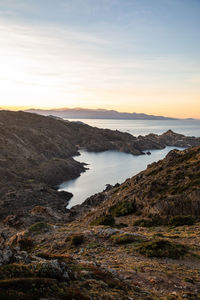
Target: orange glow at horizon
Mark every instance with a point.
(55, 69)
(166, 113)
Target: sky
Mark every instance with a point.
(127, 55)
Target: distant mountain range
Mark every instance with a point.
(82, 113)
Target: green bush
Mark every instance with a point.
(125, 238)
(161, 248)
(39, 227)
(123, 208)
(181, 220)
(107, 220)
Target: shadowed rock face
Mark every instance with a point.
(169, 187)
(37, 151)
(35, 154)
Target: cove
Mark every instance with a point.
(109, 167)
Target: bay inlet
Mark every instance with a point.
(111, 167)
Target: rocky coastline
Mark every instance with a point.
(166, 188)
(138, 240)
(36, 154)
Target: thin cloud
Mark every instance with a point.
(46, 64)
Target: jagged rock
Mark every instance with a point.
(8, 255)
(13, 221)
(107, 232)
(53, 269)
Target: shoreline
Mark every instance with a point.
(37, 156)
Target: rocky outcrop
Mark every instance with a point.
(169, 138)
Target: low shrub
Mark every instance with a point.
(106, 220)
(122, 208)
(15, 270)
(181, 220)
(39, 227)
(148, 222)
(92, 245)
(125, 238)
(161, 248)
(107, 277)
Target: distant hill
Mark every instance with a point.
(82, 113)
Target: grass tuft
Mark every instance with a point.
(161, 248)
(106, 220)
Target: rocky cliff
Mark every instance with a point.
(36, 154)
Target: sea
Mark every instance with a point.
(111, 167)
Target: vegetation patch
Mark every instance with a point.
(39, 227)
(106, 220)
(181, 220)
(15, 270)
(107, 277)
(162, 248)
(148, 222)
(92, 245)
(125, 238)
(122, 208)
(31, 289)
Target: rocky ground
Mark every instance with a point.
(75, 261)
(138, 240)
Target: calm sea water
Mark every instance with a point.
(143, 127)
(111, 167)
(107, 167)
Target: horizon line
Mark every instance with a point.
(43, 108)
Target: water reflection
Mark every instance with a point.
(107, 167)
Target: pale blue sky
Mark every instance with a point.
(129, 55)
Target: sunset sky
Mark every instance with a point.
(128, 55)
